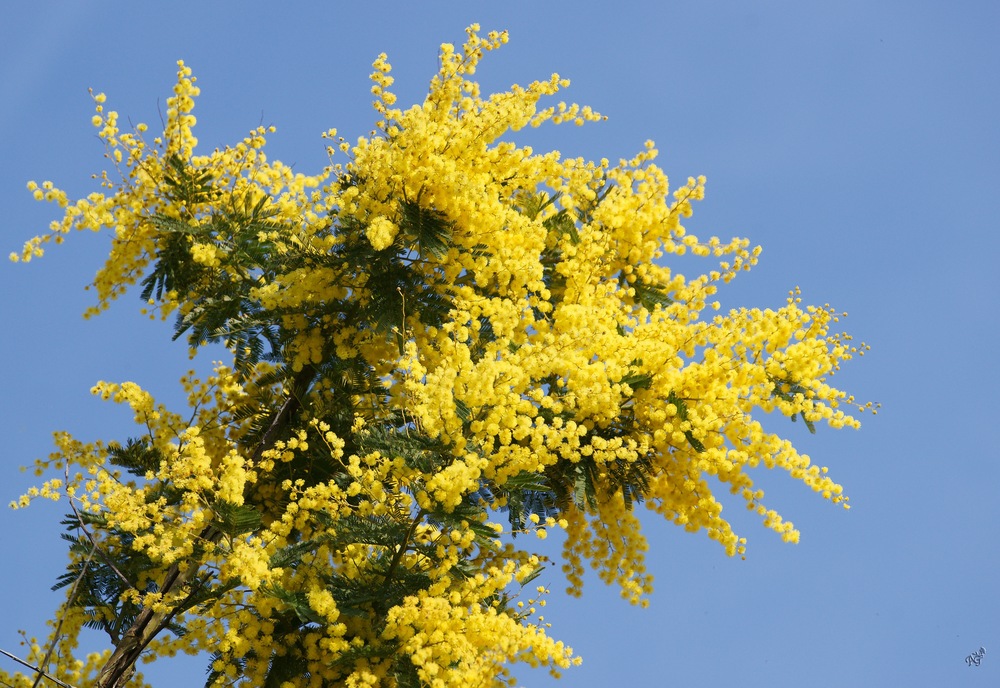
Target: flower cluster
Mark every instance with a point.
(444, 329)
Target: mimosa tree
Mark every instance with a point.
(445, 340)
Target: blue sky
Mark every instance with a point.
(857, 142)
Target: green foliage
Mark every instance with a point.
(682, 413)
(791, 392)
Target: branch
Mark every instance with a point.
(402, 548)
(37, 670)
(121, 665)
(300, 387)
(93, 543)
(62, 615)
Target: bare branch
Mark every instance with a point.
(37, 670)
(62, 617)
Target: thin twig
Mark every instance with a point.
(37, 669)
(105, 557)
(398, 555)
(62, 617)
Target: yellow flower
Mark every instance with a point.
(524, 325)
(381, 233)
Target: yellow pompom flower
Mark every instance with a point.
(445, 330)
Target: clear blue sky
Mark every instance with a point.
(857, 141)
